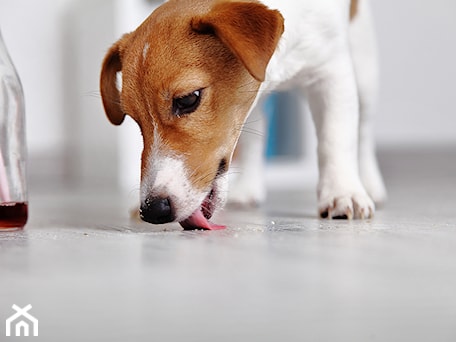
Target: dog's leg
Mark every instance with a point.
(365, 61)
(333, 100)
(248, 187)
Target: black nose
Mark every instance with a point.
(157, 210)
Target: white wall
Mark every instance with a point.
(417, 40)
(58, 45)
(31, 30)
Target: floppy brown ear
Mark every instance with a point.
(250, 30)
(110, 95)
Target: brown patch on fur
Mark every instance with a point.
(353, 8)
(221, 49)
(250, 30)
(108, 82)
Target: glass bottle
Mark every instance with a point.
(13, 153)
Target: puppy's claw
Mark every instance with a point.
(324, 214)
(348, 208)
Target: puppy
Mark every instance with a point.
(193, 72)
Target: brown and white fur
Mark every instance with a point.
(193, 72)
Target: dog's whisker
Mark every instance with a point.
(93, 93)
(252, 132)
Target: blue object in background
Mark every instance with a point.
(284, 126)
(270, 110)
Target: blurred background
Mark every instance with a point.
(57, 47)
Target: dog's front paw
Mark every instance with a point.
(246, 193)
(346, 205)
(373, 183)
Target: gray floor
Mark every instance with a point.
(276, 274)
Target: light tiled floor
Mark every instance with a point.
(276, 274)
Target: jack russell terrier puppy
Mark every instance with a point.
(193, 72)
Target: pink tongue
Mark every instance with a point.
(198, 221)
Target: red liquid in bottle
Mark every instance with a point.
(13, 215)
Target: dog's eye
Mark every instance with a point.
(186, 104)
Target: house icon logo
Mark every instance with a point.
(21, 322)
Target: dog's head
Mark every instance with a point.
(189, 76)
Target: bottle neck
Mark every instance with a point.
(6, 65)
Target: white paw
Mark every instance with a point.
(371, 178)
(377, 192)
(373, 183)
(345, 204)
(245, 192)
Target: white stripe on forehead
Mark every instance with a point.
(145, 50)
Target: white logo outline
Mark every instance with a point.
(21, 324)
